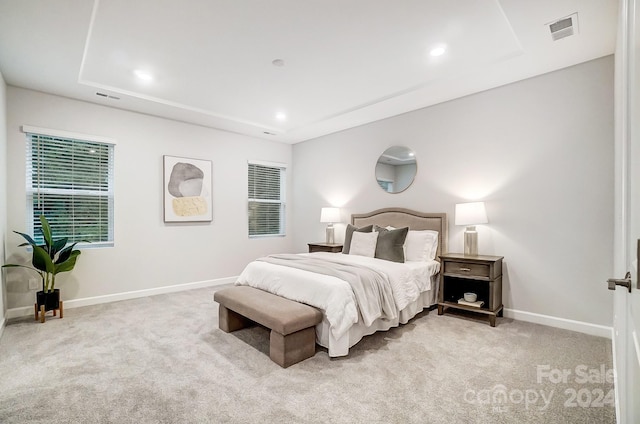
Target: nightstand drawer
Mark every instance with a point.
(467, 269)
(325, 247)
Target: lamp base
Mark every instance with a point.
(330, 234)
(471, 241)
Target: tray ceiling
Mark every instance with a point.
(289, 70)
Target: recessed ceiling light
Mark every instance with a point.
(143, 75)
(281, 116)
(437, 51)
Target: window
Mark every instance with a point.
(70, 182)
(266, 199)
(386, 185)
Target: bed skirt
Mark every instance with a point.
(340, 347)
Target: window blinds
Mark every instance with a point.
(70, 182)
(266, 200)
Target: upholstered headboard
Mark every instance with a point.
(399, 217)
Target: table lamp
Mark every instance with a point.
(330, 215)
(471, 214)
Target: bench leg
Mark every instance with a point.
(293, 348)
(229, 320)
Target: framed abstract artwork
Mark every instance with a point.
(187, 190)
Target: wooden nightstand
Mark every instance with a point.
(482, 275)
(325, 247)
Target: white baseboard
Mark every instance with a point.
(566, 324)
(88, 301)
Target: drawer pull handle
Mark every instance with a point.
(465, 269)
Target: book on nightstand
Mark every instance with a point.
(476, 304)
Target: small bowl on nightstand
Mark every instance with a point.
(470, 297)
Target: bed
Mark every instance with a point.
(413, 284)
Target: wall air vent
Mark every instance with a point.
(564, 27)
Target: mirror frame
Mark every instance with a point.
(410, 158)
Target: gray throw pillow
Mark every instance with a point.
(349, 233)
(390, 245)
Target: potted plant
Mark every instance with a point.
(48, 260)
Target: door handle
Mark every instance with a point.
(625, 282)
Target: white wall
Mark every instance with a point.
(540, 154)
(148, 253)
(3, 193)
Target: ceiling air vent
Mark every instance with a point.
(564, 27)
(108, 96)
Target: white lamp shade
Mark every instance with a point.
(471, 213)
(330, 215)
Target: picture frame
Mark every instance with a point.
(187, 189)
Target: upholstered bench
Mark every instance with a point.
(292, 324)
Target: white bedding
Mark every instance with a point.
(334, 296)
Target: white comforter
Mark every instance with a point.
(332, 295)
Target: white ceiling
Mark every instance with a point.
(346, 62)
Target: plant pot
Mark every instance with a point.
(50, 300)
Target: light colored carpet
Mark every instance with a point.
(162, 359)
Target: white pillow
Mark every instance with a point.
(364, 244)
(421, 245)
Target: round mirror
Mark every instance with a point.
(396, 169)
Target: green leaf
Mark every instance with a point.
(20, 266)
(46, 230)
(28, 238)
(66, 253)
(57, 246)
(41, 260)
(68, 264)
